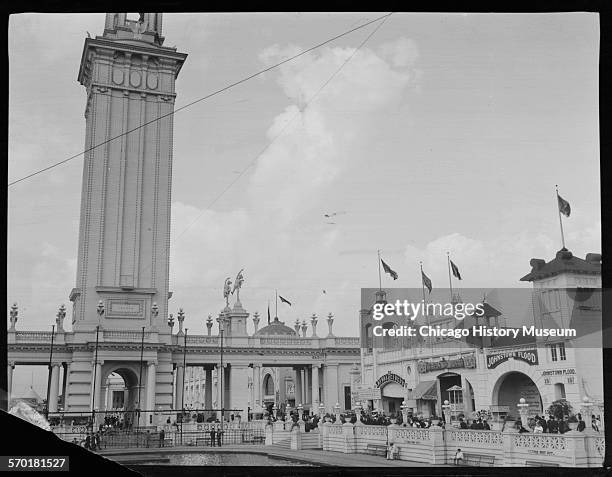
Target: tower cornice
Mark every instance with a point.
(134, 47)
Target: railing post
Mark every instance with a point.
(348, 432)
(269, 435)
(438, 445)
(296, 439)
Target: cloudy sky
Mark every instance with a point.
(443, 132)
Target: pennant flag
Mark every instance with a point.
(284, 300)
(564, 206)
(426, 281)
(455, 270)
(388, 270)
(268, 312)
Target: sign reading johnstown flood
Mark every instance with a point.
(467, 361)
(530, 356)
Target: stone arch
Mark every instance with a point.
(129, 373)
(511, 386)
(534, 372)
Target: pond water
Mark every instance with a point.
(228, 459)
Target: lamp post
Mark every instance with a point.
(221, 371)
(100, 311)
(50, 370)
(337, 412)
(140, 373)
(404, 408)
(523, 412)
(446, 411)
(184, 370)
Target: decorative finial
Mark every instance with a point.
(13, 316)
(61, 314)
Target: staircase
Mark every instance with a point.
(312, 440)
(283, 443)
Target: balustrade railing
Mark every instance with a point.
(540, 442)
(119, 335)
(412, 434)
(478, 438)
(33, 336)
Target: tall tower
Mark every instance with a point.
(124, 233)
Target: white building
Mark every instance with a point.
(494, 374)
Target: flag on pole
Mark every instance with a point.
(426, 281)
(388, 270)
(284, 300)
(564, 206)
(268, 312)
(455, 270)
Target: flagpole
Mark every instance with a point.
(276, 312)
(379, 275)
(424, 302)
(450, 281)
(560, 221)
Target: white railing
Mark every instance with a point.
(335, 429)
(33, 336)
(348, 340)
(476, 438)
(285, 342)
(370, 430)
(119, 335)
(412, 434)
(540, 442)
(202, 340)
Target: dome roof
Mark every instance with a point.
(276, 328)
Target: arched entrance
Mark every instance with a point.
(268, 392)
(392, 396)
(513, 386)
(120, 388)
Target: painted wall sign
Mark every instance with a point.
(558, 372)
(390, 377)
(467, 361)
(529, 356)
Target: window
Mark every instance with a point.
(561, 351)
(553, 352)
(559, 391)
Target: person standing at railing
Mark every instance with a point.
(212, 435)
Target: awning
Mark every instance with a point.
(426, 390)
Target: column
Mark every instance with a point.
(220, 383)
(66, 380)
(64, 377)
(54, 390)
(239, 391)
(298, 387)
(180, 383)
(331, 386)
(208, 389)
(9, 382)
(150, 402)
(303, 385)
(257, 386)
(315, 387)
